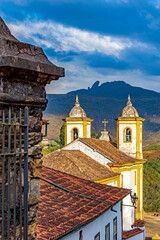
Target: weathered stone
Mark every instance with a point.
(35, 168)
(34, 191)
(24, 73)
(35, 151)
(35, 124)
(34, 138)
(32, 213)
(32, 231)
(19, 55)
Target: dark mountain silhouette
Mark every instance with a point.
(107, 101)
(116, 89)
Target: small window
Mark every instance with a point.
(115, 228)
(97, 237)
(81, 235)
(107, 232)
(128, 135)
(75, 133)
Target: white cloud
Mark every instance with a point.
(79, 76)
(64, 39)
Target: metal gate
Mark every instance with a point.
(14, 173)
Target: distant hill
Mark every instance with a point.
(116, 89)
(109, 105)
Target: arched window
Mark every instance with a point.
(128, 135)
(75, 133)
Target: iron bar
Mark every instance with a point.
(15, 177)
(9, 165)
(20, 165)
(3, 174)
(14, 162)
(26, 175)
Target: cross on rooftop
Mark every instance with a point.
(105, 123)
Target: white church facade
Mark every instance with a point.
(125, 159)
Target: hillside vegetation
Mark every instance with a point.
(152, 179)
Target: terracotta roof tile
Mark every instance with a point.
(78, 164)
(131, 233)
(139, 223)
(106, 148)
(60, 211)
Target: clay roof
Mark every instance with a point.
(107, 149)
(16, 54)
(139, 223)
(78, 164)
(61, 212)
(131, 233)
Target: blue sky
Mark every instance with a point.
(105, 40)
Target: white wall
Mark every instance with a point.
(129, 211)
(70, 126)
(88, 130)
(98, 225)
(79, 126)
(137, 237)
(128, 147)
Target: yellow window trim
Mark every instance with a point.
(124, 135)
(72, 137)
(108, 180)
(78, 119)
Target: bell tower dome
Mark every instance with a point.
(77, 125)
(129, 131)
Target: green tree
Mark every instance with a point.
(98, 135)
(62, 135)
(93, 135)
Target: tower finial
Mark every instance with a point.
(129, 101)
(77, 102)
(129, 97)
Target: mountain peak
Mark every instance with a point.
(115, 89)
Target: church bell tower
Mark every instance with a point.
(129, 131)
(77, 125)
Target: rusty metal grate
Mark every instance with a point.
(14, 173)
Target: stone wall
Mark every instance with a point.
(24, 72)
(18, 93)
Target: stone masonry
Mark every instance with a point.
(24, 73)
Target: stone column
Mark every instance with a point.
(24, 73)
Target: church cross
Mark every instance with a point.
(105, 123)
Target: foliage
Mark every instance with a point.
(152, 185)
(152, 147)
(54, 145)
(93, 135)
(62, 135)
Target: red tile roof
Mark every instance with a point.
(107, 149)
(131, 233)
(139, 223)
(78, 164)
(60, 212)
